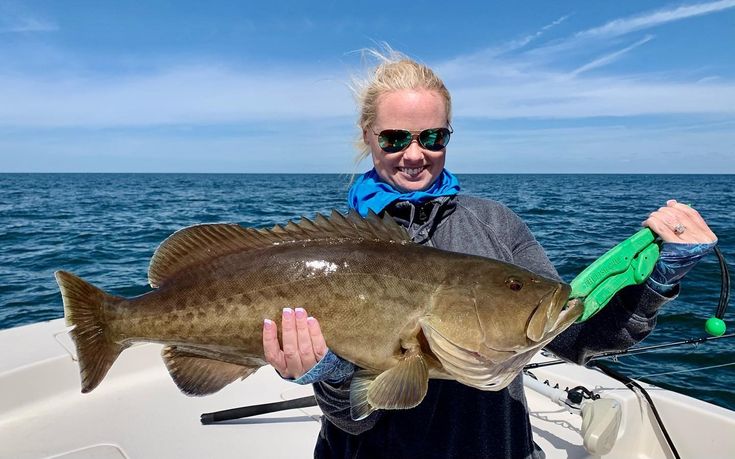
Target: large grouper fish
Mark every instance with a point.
(402, 312)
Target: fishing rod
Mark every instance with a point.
(254, 410)
(714, 326)
(634, 350)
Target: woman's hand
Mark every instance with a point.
(679, 223)
(303, 343)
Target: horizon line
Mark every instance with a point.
(356, 173)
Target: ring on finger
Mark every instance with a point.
(679, 229)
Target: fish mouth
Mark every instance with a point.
(545, 318)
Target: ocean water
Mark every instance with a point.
(105, 227)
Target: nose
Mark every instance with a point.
(413, 151)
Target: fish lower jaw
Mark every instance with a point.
(495, 383)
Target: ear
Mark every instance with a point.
(365, 137)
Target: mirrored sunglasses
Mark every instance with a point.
(395, 140)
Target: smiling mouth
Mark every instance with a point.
(412, 171)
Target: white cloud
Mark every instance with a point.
(27, 25)
(560, 97)
(656, 18)
(193, 95)
(522, 42)
(484, 60)
(602, 36)
(538, 82)
(325, 147)
(504, 81)
(610, 58)
(205, 95)
(276, 146)
(623, 148)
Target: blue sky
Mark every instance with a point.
(538, 86)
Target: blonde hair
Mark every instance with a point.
(394, 71)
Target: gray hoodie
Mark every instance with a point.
(453, 420)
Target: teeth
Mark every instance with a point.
(411, 170)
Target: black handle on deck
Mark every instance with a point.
(254, 410)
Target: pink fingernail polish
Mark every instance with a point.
(300, 313)
(287, 311)
(267, 323)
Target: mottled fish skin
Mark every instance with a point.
(377, 296)
(221, 305)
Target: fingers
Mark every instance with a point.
(317, 339)
(678, 222)
(689, 211)
(303, 343)
(306, 348)
(271, 347)
(291, 343)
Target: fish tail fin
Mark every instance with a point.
(83, 309)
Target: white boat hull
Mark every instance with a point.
(137, 411)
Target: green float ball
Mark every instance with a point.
(715, 326)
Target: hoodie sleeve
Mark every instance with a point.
(334, 401)
(626, 320)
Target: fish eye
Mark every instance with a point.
(514, 284)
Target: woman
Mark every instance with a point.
(405, 122)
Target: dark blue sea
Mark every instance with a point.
(105, 227)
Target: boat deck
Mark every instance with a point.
(137, 411)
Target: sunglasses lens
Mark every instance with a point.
(394, 140)
(434, 139)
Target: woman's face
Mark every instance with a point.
(414, 168)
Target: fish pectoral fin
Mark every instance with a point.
(403, 386)
(198, 375)
(360, 408)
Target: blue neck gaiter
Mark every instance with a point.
(370, 192)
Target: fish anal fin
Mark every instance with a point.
(359, 406)
(197, 375)
(403, 386)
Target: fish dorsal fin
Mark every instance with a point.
(400, 387)
(339, 226)
(199, 243)
(196, 244)
(197, 375)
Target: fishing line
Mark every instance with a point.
(634, 350)
(684, 371)
(725, 279)
(632, 385)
